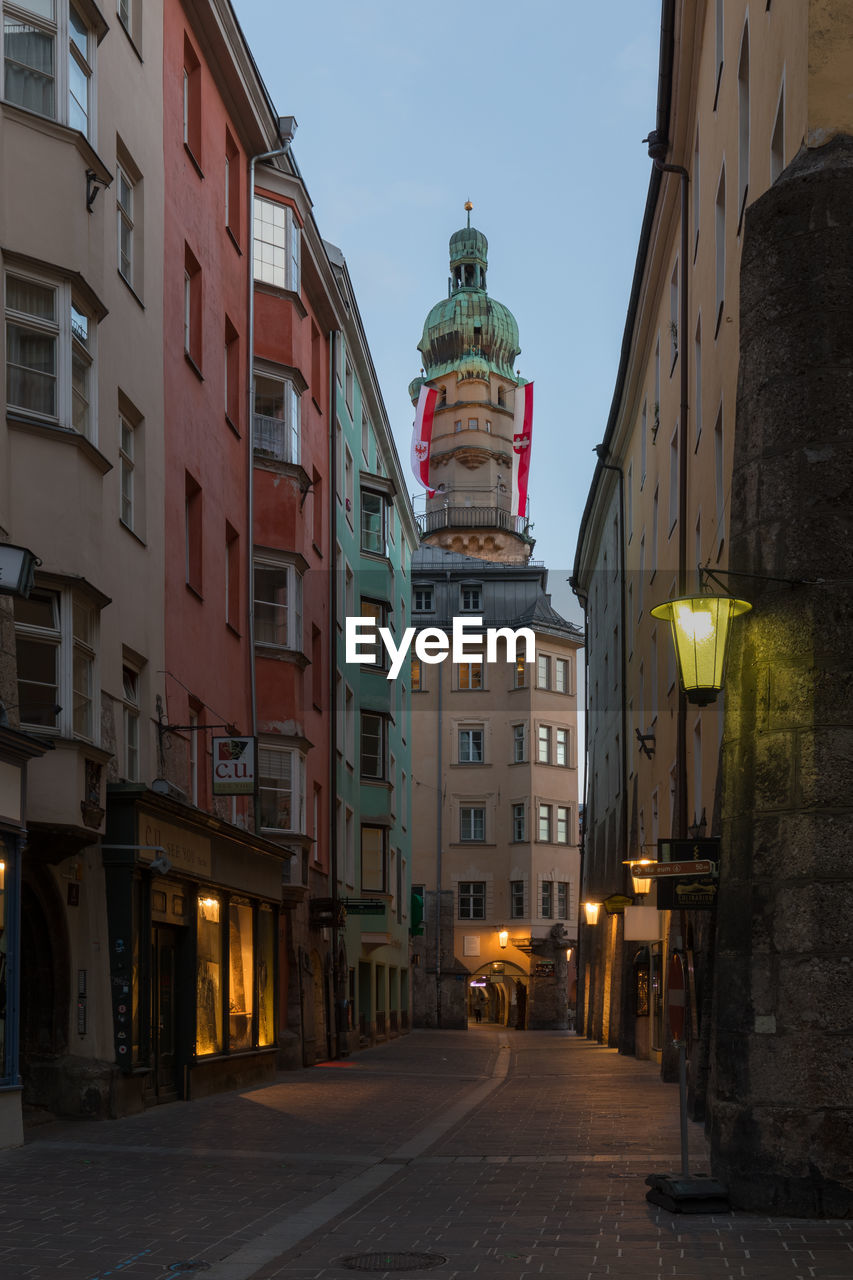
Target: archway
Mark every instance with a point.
(493, 990)
(45, 986)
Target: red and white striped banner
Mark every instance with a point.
(422, 437)
(522, 439)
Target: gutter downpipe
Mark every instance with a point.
(438, 827)
(338, 993)
(658, 147)
(581, 999)
(250, 435)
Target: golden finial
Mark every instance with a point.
(468, 208)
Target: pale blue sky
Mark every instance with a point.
(537, 115)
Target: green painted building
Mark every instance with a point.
(376, 535)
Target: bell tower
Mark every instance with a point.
(469, 348)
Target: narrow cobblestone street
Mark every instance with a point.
(510, 1155)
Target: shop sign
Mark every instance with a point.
(234, 766)
(185, 850)
(544, 969)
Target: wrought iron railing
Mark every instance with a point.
(472, 518)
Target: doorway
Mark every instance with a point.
(164, 1081)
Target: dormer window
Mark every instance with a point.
(472, 599)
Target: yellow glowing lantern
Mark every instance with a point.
(503, 937)
(591, 910)
(700, 633)
(642, 884)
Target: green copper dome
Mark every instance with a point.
(468, 332)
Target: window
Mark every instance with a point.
(561, 675)
(278, 605)
(277, 419)
(192, 102)
(545, 816)
(562, 900)
(472, 599)
(643, 442)
(56, 646)
(373, 745)
(377, 610)
(348, 484)
(720, 246)
(232, 374)
(348, 385)
(777, 141)
(543, 671)
(673, 317)
(232, 577)
(373, 523)
(743, 127)
(544, 736)
(423, 600)
(547, 900)
(470, 675)
(192, 533)
(519, 822)
(192, 307)
(36, 76)
(674, 486)
(719, 479)
(209, 976)
(281, 789)
(124, 214)
(520, 673)
(127, 468)
(472, 822)
(720, 47)
(416, 671)
(563, 824)
(472, 424)
(472, 900)
(697, 364)
(457, 426)
(50, 343)
(233, 186)
(516, 899)
(374, 869)
(519, 743)
(278, 244)
(123, 10)
(471, 746)
(562, 756)
(130, 689)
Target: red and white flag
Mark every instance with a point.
(422, 437)
(522, 439)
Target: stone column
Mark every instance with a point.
(781, 1087)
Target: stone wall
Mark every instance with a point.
(781, 1089)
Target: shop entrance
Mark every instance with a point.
(163, 1082)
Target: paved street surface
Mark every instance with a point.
(507, 1155)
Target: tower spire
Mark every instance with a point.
(468, 207)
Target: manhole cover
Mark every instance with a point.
(181, 1268)
(393, 1261)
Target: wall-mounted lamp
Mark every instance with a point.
(17, 567)
(569, 953)
(700, 633)
(94, 183)
(641, 883)
(591, 910)
(503, 938)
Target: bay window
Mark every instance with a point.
(38, 76)
(277, 412)
(373, 753)
(56, 645)
(50, 351)
(281, 787)
(373, 523)
(278, 243)
(278, 605)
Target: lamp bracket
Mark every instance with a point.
(94, 182)
(713, 574)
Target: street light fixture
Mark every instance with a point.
(591, 910)
(700, 633)
(503, 938)
(642, 884)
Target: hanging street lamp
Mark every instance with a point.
(642, 884)
(700, 632)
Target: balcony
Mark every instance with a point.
(473, 518)
(274, 439)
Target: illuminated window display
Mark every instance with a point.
(209, 978)
(241, 991)
(266, 975)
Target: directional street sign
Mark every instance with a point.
(700, 868)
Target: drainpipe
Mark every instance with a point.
(438, 828)
(658, 146)
(287, 128)
(338, 989)
(581, 961)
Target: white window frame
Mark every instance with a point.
(472, 899)
(545, 822)
(468, 684)
(563, 747)
(278, 438)
(546, 899)
(124, 223)
(544, 754)
(278, 245)
(290, 632)
(73, 652)
(68, 347)
(471, 598)
(519, 822)
(516, 899)
(424, 598)
(564, 824)
(469, 824)
(58, 30)
(563, 899)
(543, 671)
(267, 752)
(562, 675)
(519, 743)
(382, 737)
(127, 471)
(367, 534)
(472, 744)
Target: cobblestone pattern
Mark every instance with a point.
(545, 1178)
